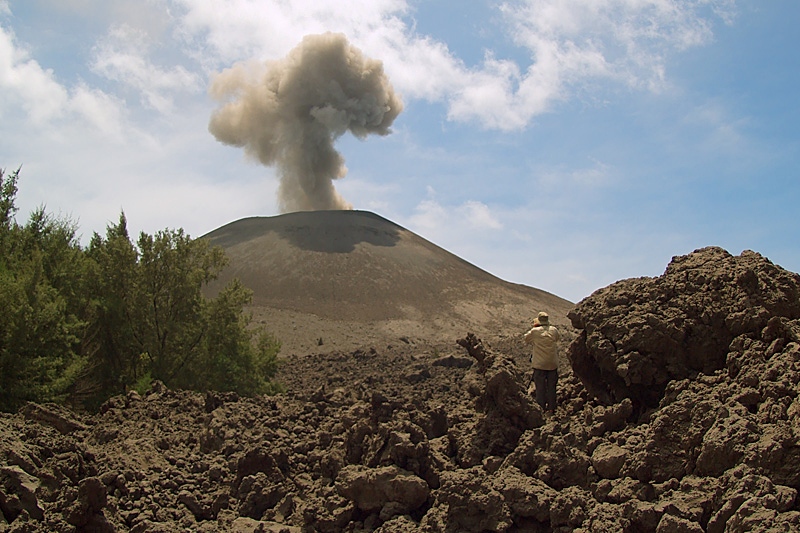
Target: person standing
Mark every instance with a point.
(544, 339)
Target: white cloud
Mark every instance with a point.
(103, 112)
(490, 95)
(24, 83)
(597, 174)
(235, 30)
(479, 216)
(419, 66)
(147, 15)
(122, 57)
(572, 42)
(221, 33)
(438, 221)
(429, 218)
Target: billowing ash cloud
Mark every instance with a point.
(290, 112)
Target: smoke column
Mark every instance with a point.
(290, 112)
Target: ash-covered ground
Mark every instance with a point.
(678, 412)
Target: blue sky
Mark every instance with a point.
(562, 144)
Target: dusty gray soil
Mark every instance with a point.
(407, 437)
(355, 279)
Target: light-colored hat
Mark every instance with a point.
(543, 318)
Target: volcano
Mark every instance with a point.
(356, 278)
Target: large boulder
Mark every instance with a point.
(471, 501)
(372, 489)
(608, 459)
(639, 334)
(18, 494)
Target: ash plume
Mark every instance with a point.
(289, 113)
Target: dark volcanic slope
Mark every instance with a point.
(357, 266)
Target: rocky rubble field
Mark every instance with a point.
(680, 414)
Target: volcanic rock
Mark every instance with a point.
(389, 489)
(638, 334)
(18, 494)
(355, 446)
(607, 460)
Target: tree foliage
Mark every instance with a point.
(90, 323)
(150, 320)
(40, 294)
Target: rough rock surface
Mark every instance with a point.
(639, 334)
(405, 439)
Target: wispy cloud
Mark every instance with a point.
(479, 216)
(234, 30)
(26, 83)
(723, 133)
(596, 174)
(122, 56)
(44, 99)
(103, 112)
(573, 42)
(569, 43)
(435, 219)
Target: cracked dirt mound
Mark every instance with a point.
(354, 279)
(405, 439)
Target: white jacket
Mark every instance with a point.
(545, 343)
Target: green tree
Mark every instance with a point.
(173, 322)
(8, 195)
(41, 271)
(232, 361)
(111, 348)
(86, 324)
(151, 320)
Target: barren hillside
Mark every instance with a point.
(354, 279)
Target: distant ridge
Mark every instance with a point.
(358, 268)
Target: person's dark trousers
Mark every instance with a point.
(546, 388)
